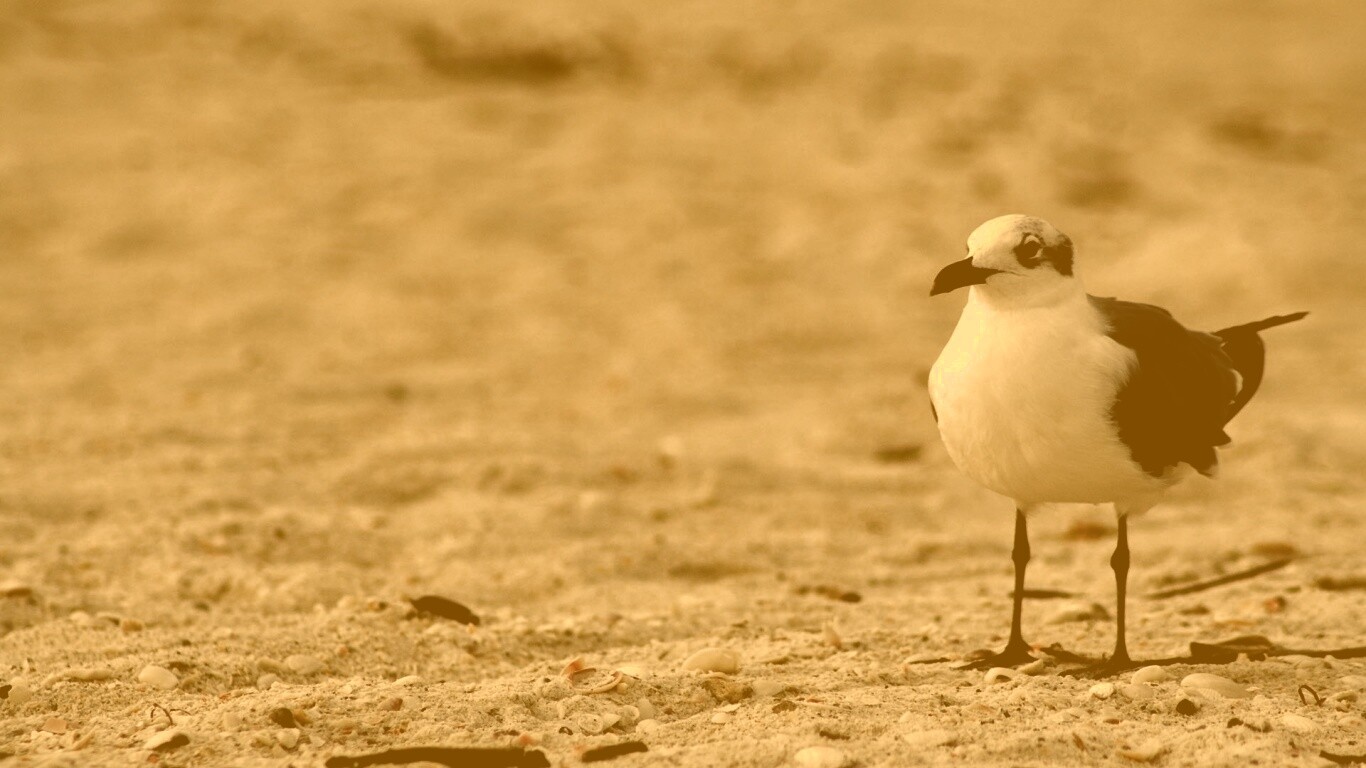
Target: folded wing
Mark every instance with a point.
(1181, 392)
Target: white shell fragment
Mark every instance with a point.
(1102, 690)
(1220, 685)
(1001, 675)
(1150, 674)
(714, 660)
(19, 692)
(1299, 723)
(819, 757)
(304, 664)
(163, 739)
(158, 677)
(583, 680)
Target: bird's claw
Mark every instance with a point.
(1014, 655)
(1104, 669)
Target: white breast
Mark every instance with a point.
(1023, 398)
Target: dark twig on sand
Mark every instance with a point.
(1254, 647)
(456, 757)
(611, 751)
(1201, 586)
(1343, 759)
(169, 720)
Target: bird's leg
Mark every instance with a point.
(1017, 651)
(1120, 562)
(1119, 661)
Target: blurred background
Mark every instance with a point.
(512, 301)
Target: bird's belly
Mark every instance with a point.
(1035, 427)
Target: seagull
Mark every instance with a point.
(1046, 394)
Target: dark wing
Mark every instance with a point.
(1179, 396)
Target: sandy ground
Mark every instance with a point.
(609, 321)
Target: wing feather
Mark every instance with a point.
(1179, 395)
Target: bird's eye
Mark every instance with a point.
(1027, 252)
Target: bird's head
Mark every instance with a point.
(1022, 259)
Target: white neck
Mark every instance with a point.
(1008, 297)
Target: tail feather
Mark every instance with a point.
(1262, 325)
(1248, 353)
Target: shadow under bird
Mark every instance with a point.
(1047, 394)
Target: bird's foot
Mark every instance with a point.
(1106, 668)
(1016, 653)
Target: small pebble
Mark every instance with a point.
(167, 740)
(819, 757)
(1034, 667)
(283, 717)
(1299, 723)
(445, 608)
(14, 589)
(408, 680)
(721, 718)
(392, 704)
(1186, 707)
(264, 682)
(1102, 690)
(288, 738)
(649, 725)
(158, 677)
(54, 725)
(1137, 692)
(714, 660)
(1220, 685)
(304, 664)
(1150, 674)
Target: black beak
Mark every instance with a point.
(958, 275)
